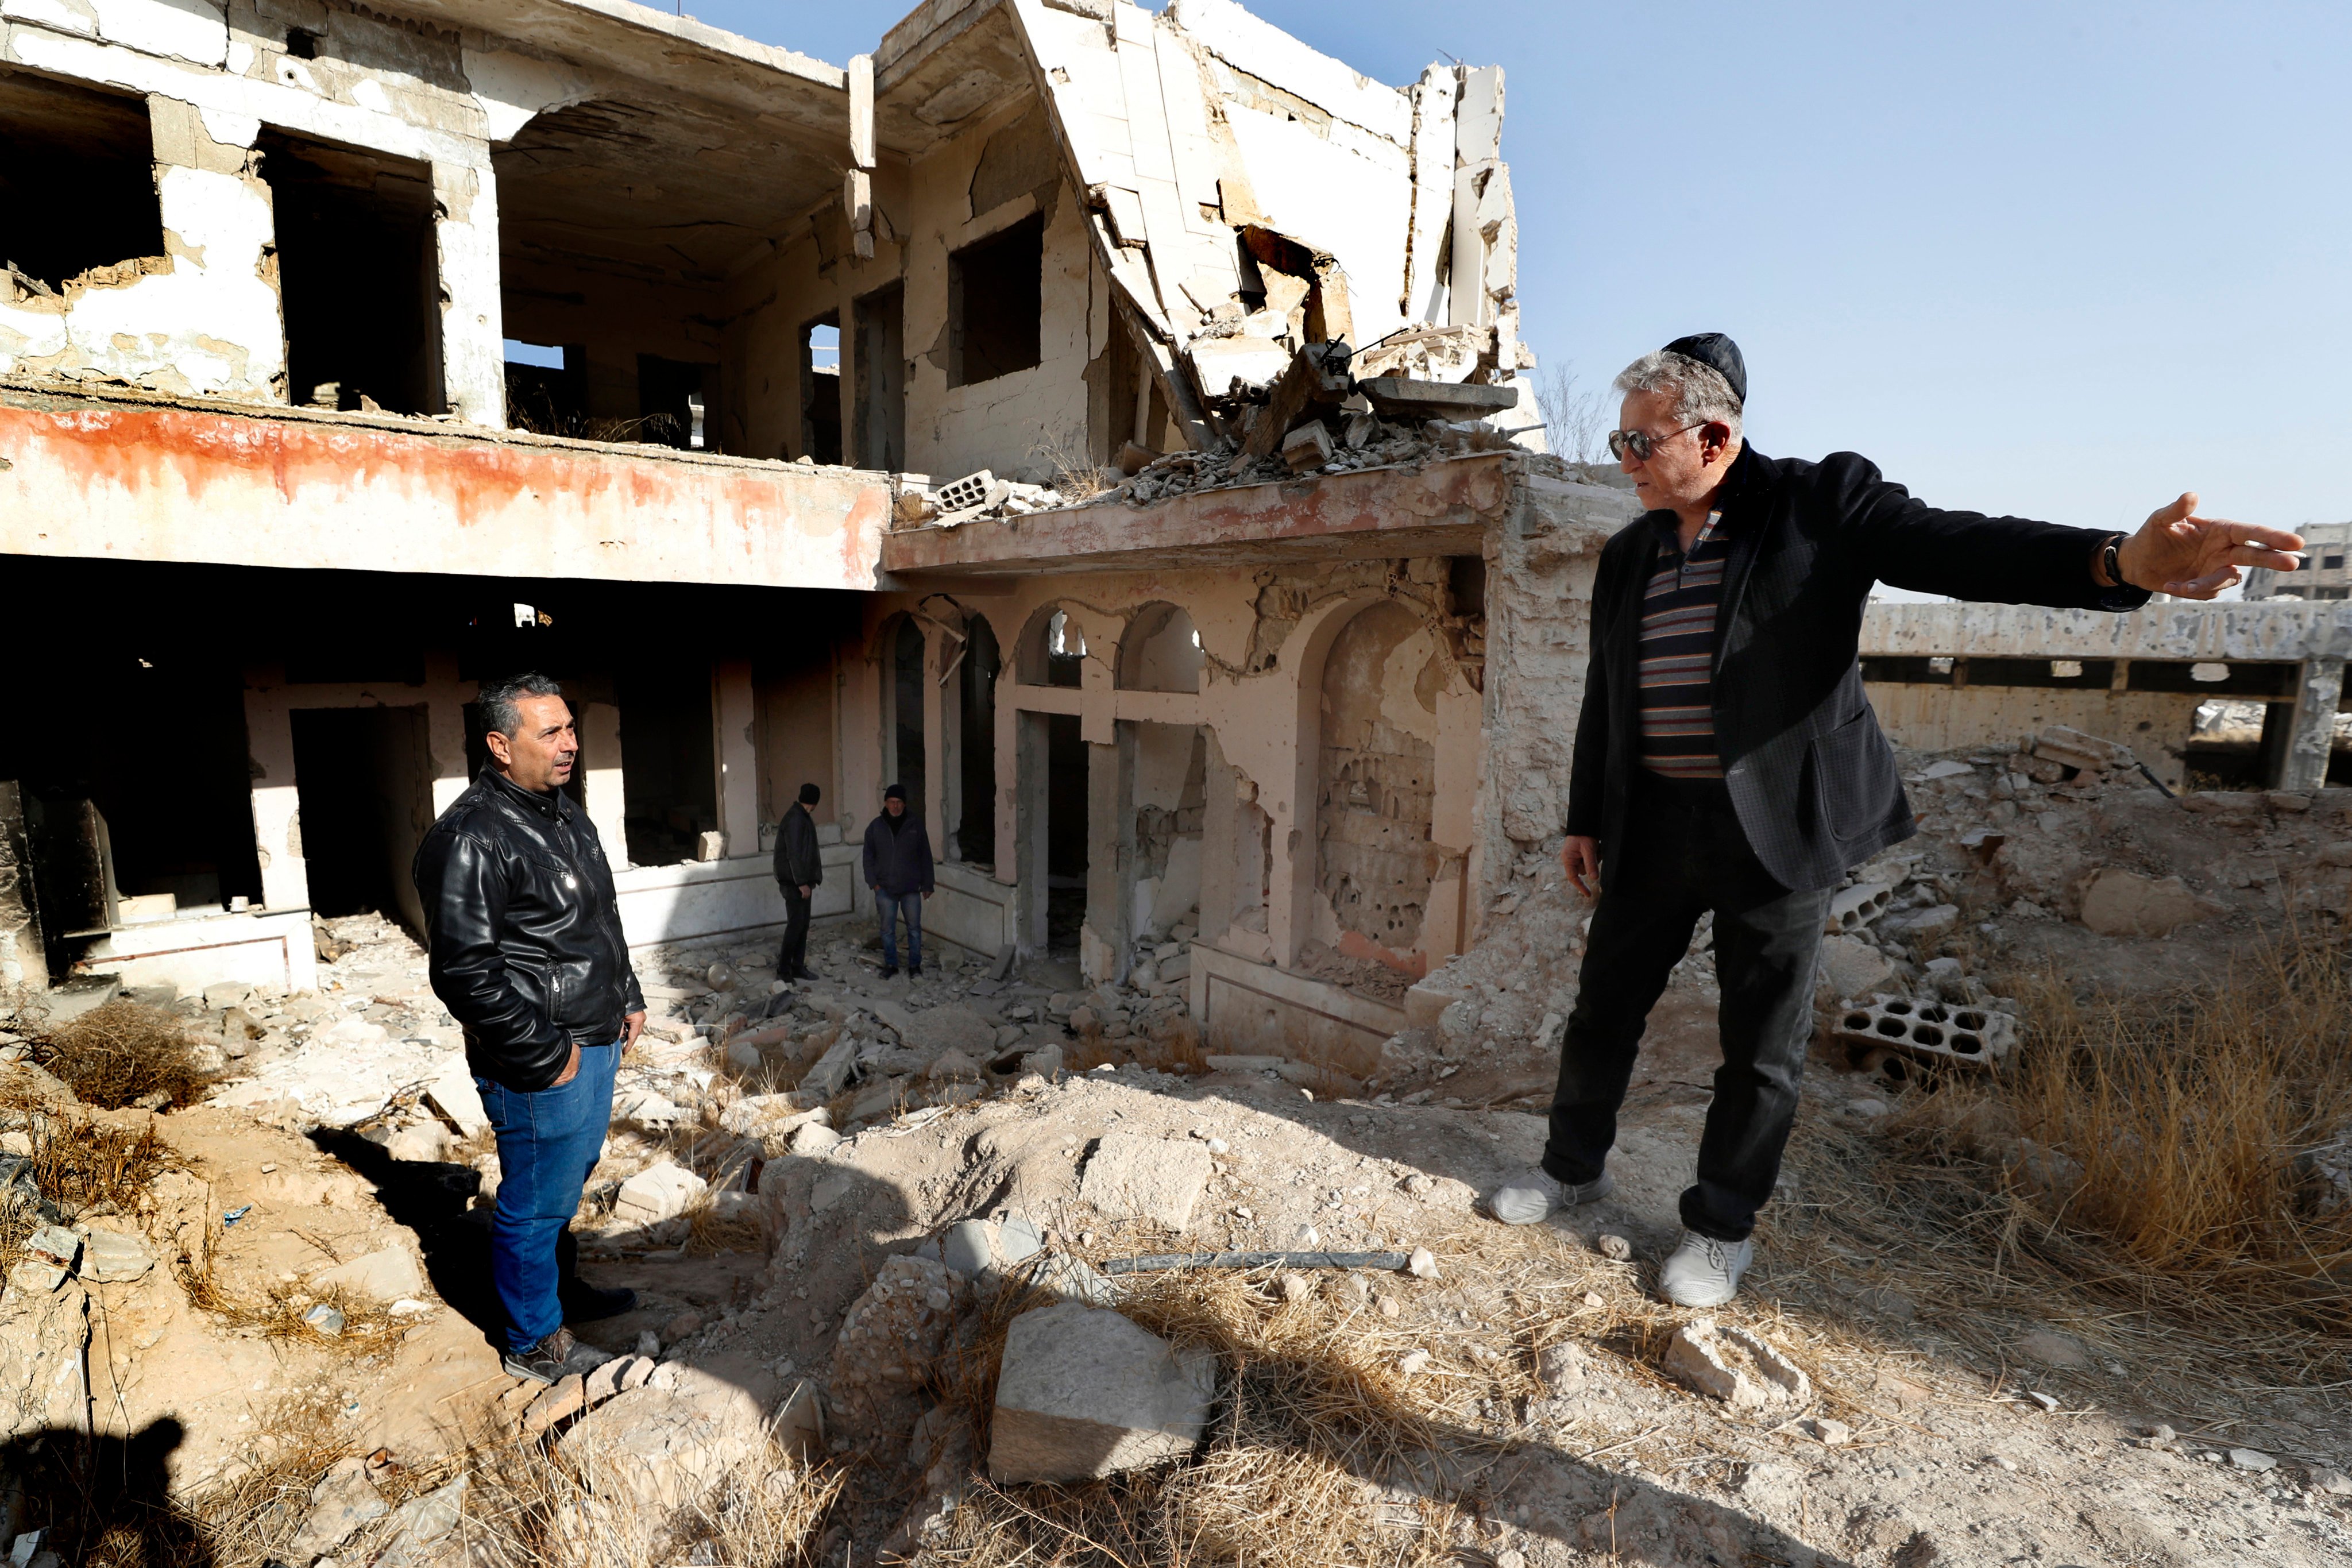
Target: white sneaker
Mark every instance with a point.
(1705, 1272)
(1532, 1198)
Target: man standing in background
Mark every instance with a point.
(799, 870)
(898, 869)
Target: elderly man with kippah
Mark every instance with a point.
(1728, 761)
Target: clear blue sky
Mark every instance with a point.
(2061, 261)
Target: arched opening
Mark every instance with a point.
(1161, 652)
(1377, 780)
(1053, 650)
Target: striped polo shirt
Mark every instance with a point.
(1678, 649)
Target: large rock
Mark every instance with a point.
(2116, 902)
(948, 1028)
(44, 1359)
(1735, 1365)
(666, 1443)
(453, 1094)
(421, 1528)
(389, 1274)
(1134, 1177)
(344, 1500)
(658, 1193)
(1855, 967)
(1085, 1392)
(893, 1334)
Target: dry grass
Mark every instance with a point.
(526, 1508)
(2179, 1120)
(1320, 1449)
(123, 1052)
(82, 1165)
(1072, 474)
(2171, 1238)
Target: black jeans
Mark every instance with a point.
(1684, 853)
(792, 957)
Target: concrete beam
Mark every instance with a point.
(118, 476)
(1440, 508)
(2266, 630)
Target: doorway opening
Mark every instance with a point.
(363, 787)
(880, 365)
(821, 390)
(669, 781)
(1067, 768)
(975, 835)
(906, 755)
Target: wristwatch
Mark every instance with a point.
(2111, 560)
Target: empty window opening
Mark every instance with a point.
(674, 397)
(76, 183)
(994, 303)
(906, 758)
(669, 781)
(880, 387)
(1161, 652)
(821, 389)
(359, 279)
(302, 44)
(975, 678)
(547, 388)
(363, 779)
(1053, 650)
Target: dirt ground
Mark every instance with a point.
(1970, 1405)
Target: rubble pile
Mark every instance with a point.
(1331, 412)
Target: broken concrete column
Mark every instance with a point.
(1085, 1392)
(473, 318)
(2312, 732)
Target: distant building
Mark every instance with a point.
(2327, 576)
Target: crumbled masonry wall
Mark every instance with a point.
(1538, 631)
(2157, 725)
(204, 319)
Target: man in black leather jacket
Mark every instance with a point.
(1727, 759)
(799, 870)
(528, 956)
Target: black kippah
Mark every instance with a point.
(1719, 352)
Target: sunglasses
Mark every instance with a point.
(1641, 445)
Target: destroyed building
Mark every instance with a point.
(1112, 425)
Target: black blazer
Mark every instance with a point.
(1812, 779)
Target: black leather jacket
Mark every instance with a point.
(525, 931)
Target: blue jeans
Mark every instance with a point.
(547, 1143)
(891, 906)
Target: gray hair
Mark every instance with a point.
(501, 700)
(1701, 394)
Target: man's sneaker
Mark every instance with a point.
(1532, 1198)
(914, 971)
(545, 1361)
(585, 1303)
(1705, 1272)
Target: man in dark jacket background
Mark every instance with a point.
(799, 870)
(1727, 759)
(527, 955)
(898, 869)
